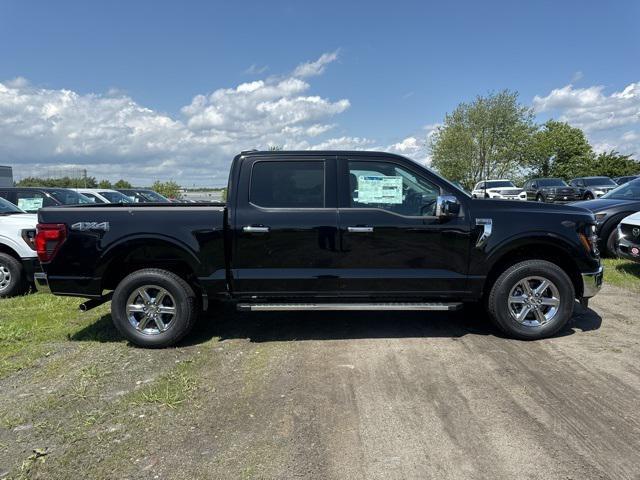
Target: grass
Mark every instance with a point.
(622, 273)
(31, 326)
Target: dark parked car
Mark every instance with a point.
(551, 190)
(323, 230)
(593, 187)
(30, 199)
(142, 195)
(623, 180)
(610, 209)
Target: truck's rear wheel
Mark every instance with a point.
(11, 276)
(531, 300)
(153, 308)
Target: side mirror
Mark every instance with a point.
(447, 206)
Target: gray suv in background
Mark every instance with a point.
(593, 187)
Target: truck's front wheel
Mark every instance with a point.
(153, 308)
(531, 300)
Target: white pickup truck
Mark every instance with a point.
(18, 258)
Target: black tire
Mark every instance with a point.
(12, 278)
(540, 198)
(610, 246)
(176, 289)
(588, 196)
(500, 311)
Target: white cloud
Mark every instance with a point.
(256, 69)
(311, 69)
(612, 121)
(113, 136)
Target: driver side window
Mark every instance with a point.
(390, 187)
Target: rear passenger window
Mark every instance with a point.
(31, 201)
(287, 184)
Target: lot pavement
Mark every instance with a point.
(348, 396)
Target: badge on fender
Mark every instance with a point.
(89, 226)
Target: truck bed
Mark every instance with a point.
(104, 241)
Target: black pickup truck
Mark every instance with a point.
(323, 231)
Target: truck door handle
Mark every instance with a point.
(255, 229)
(360, 229)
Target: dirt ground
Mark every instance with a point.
(344, 396)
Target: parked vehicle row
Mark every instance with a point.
(31, 199)
(18, 258)
(323, 230)
(548, 190)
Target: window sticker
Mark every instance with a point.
(30, 204)
(379, 189)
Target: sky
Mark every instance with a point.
(151, 90)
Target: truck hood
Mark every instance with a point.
(19, 221)
(518, 207)
(632, 219)
(600, 204)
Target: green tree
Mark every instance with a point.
(614, 164)
(62, 182)
(559, 150)
(104, 184)
(122, 184)
(168, 189)
(488, 138)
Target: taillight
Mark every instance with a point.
(49, 238)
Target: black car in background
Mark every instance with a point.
(623, 180)
(30, 199)
(610, 209)
(551, 190)
(593, 187)
(143, 195)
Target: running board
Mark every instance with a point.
(286, 307)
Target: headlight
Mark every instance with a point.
(600, 217)
(29, 237)
(589, 240)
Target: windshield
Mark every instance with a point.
(499, 183)
(628, 191)
(116, 197)
(8, 208)
(552, 182)
(599, 181)
(153, 196)
(69, 197)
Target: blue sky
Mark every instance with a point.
(112, 84)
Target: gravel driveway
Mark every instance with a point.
(345, 396)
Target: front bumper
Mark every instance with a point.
(592, 283)
(628, 250)
(42, 284)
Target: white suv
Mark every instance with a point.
(628, 245)
(498, 189)
(18, 258)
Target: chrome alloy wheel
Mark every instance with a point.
(534, 301)
(5, 277)
(151, 309)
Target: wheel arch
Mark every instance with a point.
(9, 251)
(558, 253)
(144, 252)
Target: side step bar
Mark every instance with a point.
(290, 307)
